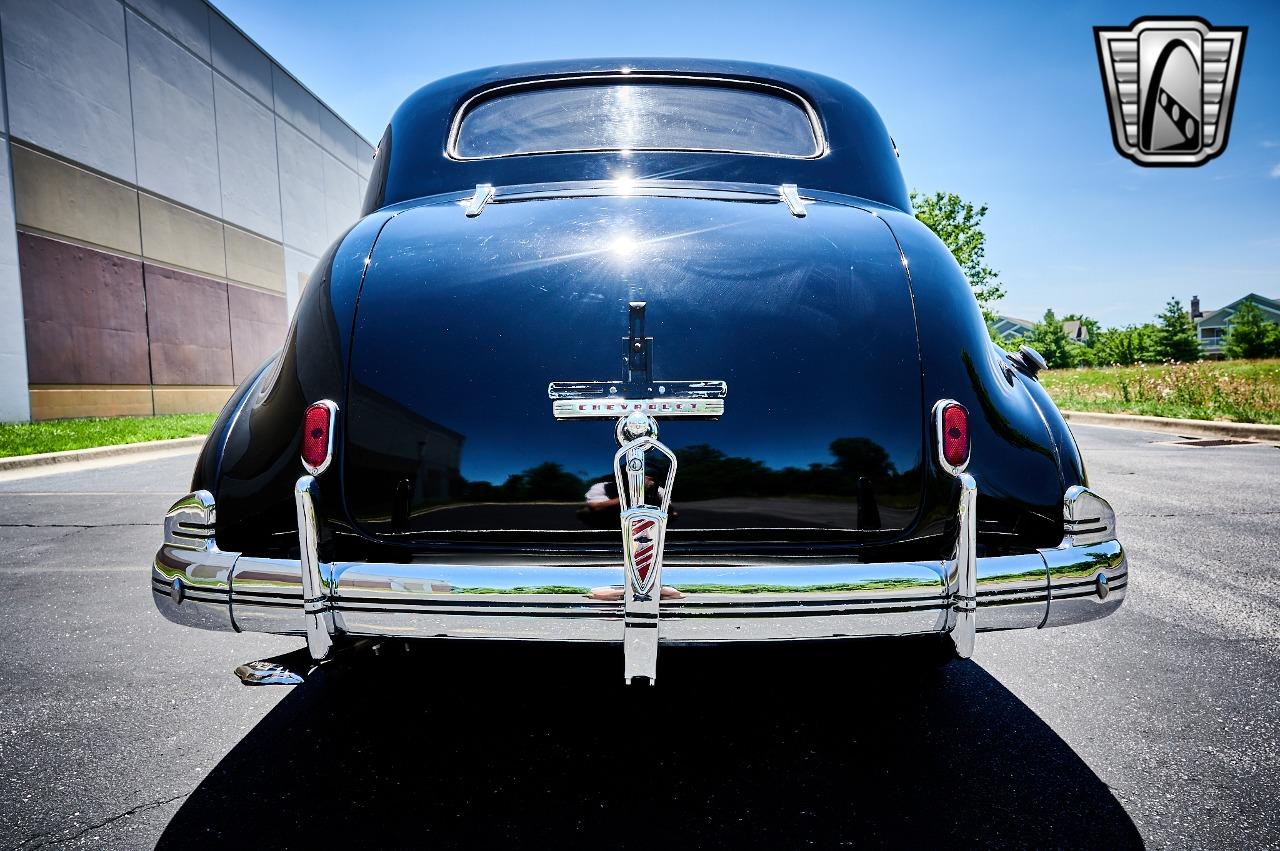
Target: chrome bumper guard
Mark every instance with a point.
(705, 601)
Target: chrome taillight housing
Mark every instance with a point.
(317, 436)
(951, 426)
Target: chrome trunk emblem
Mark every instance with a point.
(637, 392)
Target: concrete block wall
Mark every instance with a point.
(172, 188)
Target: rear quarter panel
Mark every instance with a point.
(1015, 458)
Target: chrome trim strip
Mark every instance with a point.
(607, 390)
(815, 123)
(567, 409)
(639, 188)
(328, 450)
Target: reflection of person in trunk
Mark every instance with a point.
(603, 508)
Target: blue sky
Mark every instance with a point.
(1001, 103)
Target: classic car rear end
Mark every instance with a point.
(642, 352)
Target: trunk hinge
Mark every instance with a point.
(482, 196)
(791, 196)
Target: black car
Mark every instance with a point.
(460, 437)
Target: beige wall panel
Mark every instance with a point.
(173, 234)
(254, 260)
(58, 402)
(191, 400)
(62, 199)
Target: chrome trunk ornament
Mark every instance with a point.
(636, 402)
(644, 531)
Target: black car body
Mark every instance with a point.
(557, 259)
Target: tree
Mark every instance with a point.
(1053, 344)
(959, 225)
(1176, 334)
(1125, 346)
(1250, 335)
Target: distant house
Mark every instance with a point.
(1010, 328)
(1076, 330)
(1212, 325)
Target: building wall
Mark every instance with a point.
(172, 188)
(14, 403)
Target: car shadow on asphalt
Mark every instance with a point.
(481, 746)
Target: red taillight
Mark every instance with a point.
(955, 436)
(317, 436)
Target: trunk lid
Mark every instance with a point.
(463, 322)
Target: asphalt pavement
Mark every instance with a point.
(1157, 726)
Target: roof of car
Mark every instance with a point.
(859, 159)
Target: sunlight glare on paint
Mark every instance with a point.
(622, 245)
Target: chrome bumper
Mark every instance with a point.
(706, 601)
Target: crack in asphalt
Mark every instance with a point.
(44, 839)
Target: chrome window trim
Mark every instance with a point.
(328, 450)
(815, 123)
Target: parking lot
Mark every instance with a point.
(1157, 726)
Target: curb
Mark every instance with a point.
(96, 453)
(1195, 428)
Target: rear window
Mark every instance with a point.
(638, 117)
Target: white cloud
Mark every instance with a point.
(1275, 170)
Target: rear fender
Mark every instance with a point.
(251, 463)
(1014, 455)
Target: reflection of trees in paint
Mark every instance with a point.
(706, 472)
(546, 481)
